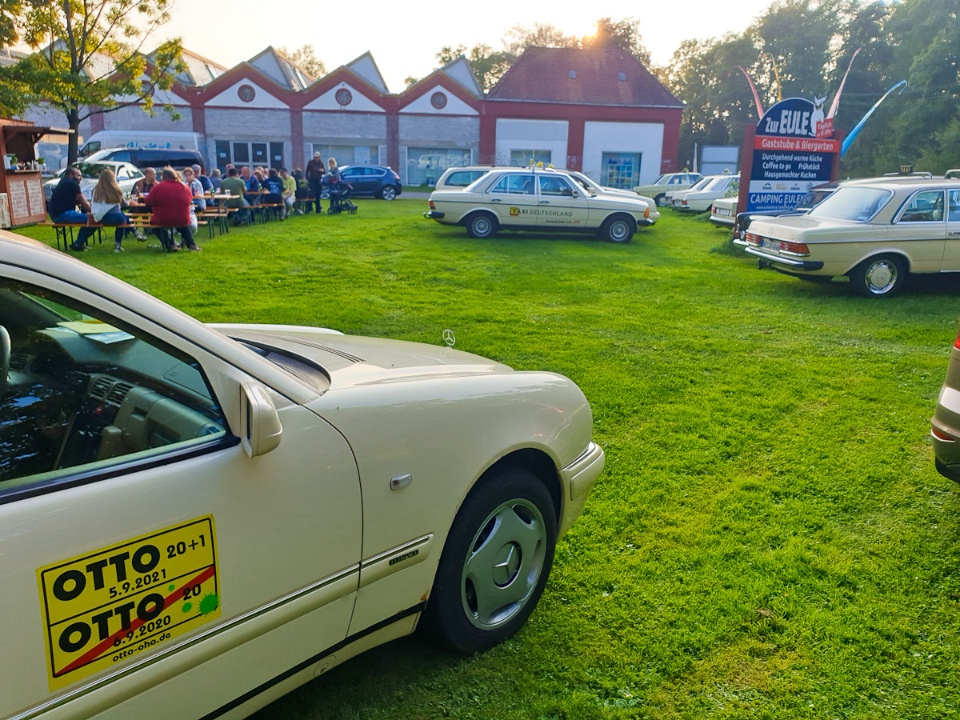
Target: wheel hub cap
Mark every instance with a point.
(507, 568)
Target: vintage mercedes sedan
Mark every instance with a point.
(196, 518)
(538, 199)
(874, 231)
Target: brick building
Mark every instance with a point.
(600, 111)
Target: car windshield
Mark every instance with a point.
(852, 203)
(662, 180)
(702, 184)
(92, 170)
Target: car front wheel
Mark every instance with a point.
(388, 192)
(495, 562)
(881, 276)
(481, 225)
(661, 200)
(617, 230)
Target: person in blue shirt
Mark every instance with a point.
(68, 205)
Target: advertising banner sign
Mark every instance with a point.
(792, 151)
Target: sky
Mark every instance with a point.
(404, 37)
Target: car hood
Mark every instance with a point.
(356, 360)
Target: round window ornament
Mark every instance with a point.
(438, 100)
(343, 97)
(246, 93)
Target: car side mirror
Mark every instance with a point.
(260, 428)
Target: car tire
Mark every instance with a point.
(881, 276)
(661, 200)
(494, 564)
(618, 229)
(388, 192)
(481, 225)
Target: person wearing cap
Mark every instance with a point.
(202, 177)
(314, 173)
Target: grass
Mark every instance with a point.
(769, 538)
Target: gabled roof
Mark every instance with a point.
(582, 77)
(199, 72)
(283, 72)
(366, 67)
(461, 71)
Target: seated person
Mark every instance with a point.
(274, 188)
(171, 201)
(68, 205)
(252, 183)
(234, 185)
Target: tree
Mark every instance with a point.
(519, 38)
(623, 34)
(306, 59)
(92, 60)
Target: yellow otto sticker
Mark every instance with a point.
(115, 603)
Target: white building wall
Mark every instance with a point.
(621, 137)
(532, 135)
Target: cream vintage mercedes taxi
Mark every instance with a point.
(542, 199)
(876, 231)
(194, 519)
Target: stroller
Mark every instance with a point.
(338, 193)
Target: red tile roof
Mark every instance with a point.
(582, 77)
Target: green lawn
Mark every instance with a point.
(769, 539)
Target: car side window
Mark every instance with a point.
(515, 184)
(954, 214)
(926, 206)
(79, 391)
(554, 186)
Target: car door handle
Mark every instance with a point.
(544, 202)
(954, 234)
(494, 199)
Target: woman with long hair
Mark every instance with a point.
(107, 205)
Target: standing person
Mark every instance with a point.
(68, 205)
(289, 192)
(107, 207)
(171, 201)
(314, 175)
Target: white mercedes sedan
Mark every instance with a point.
(195, 519)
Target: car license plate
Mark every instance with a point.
(769, 244)
(722, 211)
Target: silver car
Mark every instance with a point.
(127, 176)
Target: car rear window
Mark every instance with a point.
(858, 204)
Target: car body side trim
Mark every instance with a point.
(777, 260)
(315, 595)
(303, 665)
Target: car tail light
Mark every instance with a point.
(432, 206)
(683, 202)
(793, 248)
(752, 238)
(956, 343)
(941, 435)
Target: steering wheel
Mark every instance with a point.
(5, 351)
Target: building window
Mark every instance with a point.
(425, 165)
(525, 158)
(620, 170)
(348, 154)
(343, 97)
(246, 93)
(438, 100)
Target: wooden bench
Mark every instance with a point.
(137, 222)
